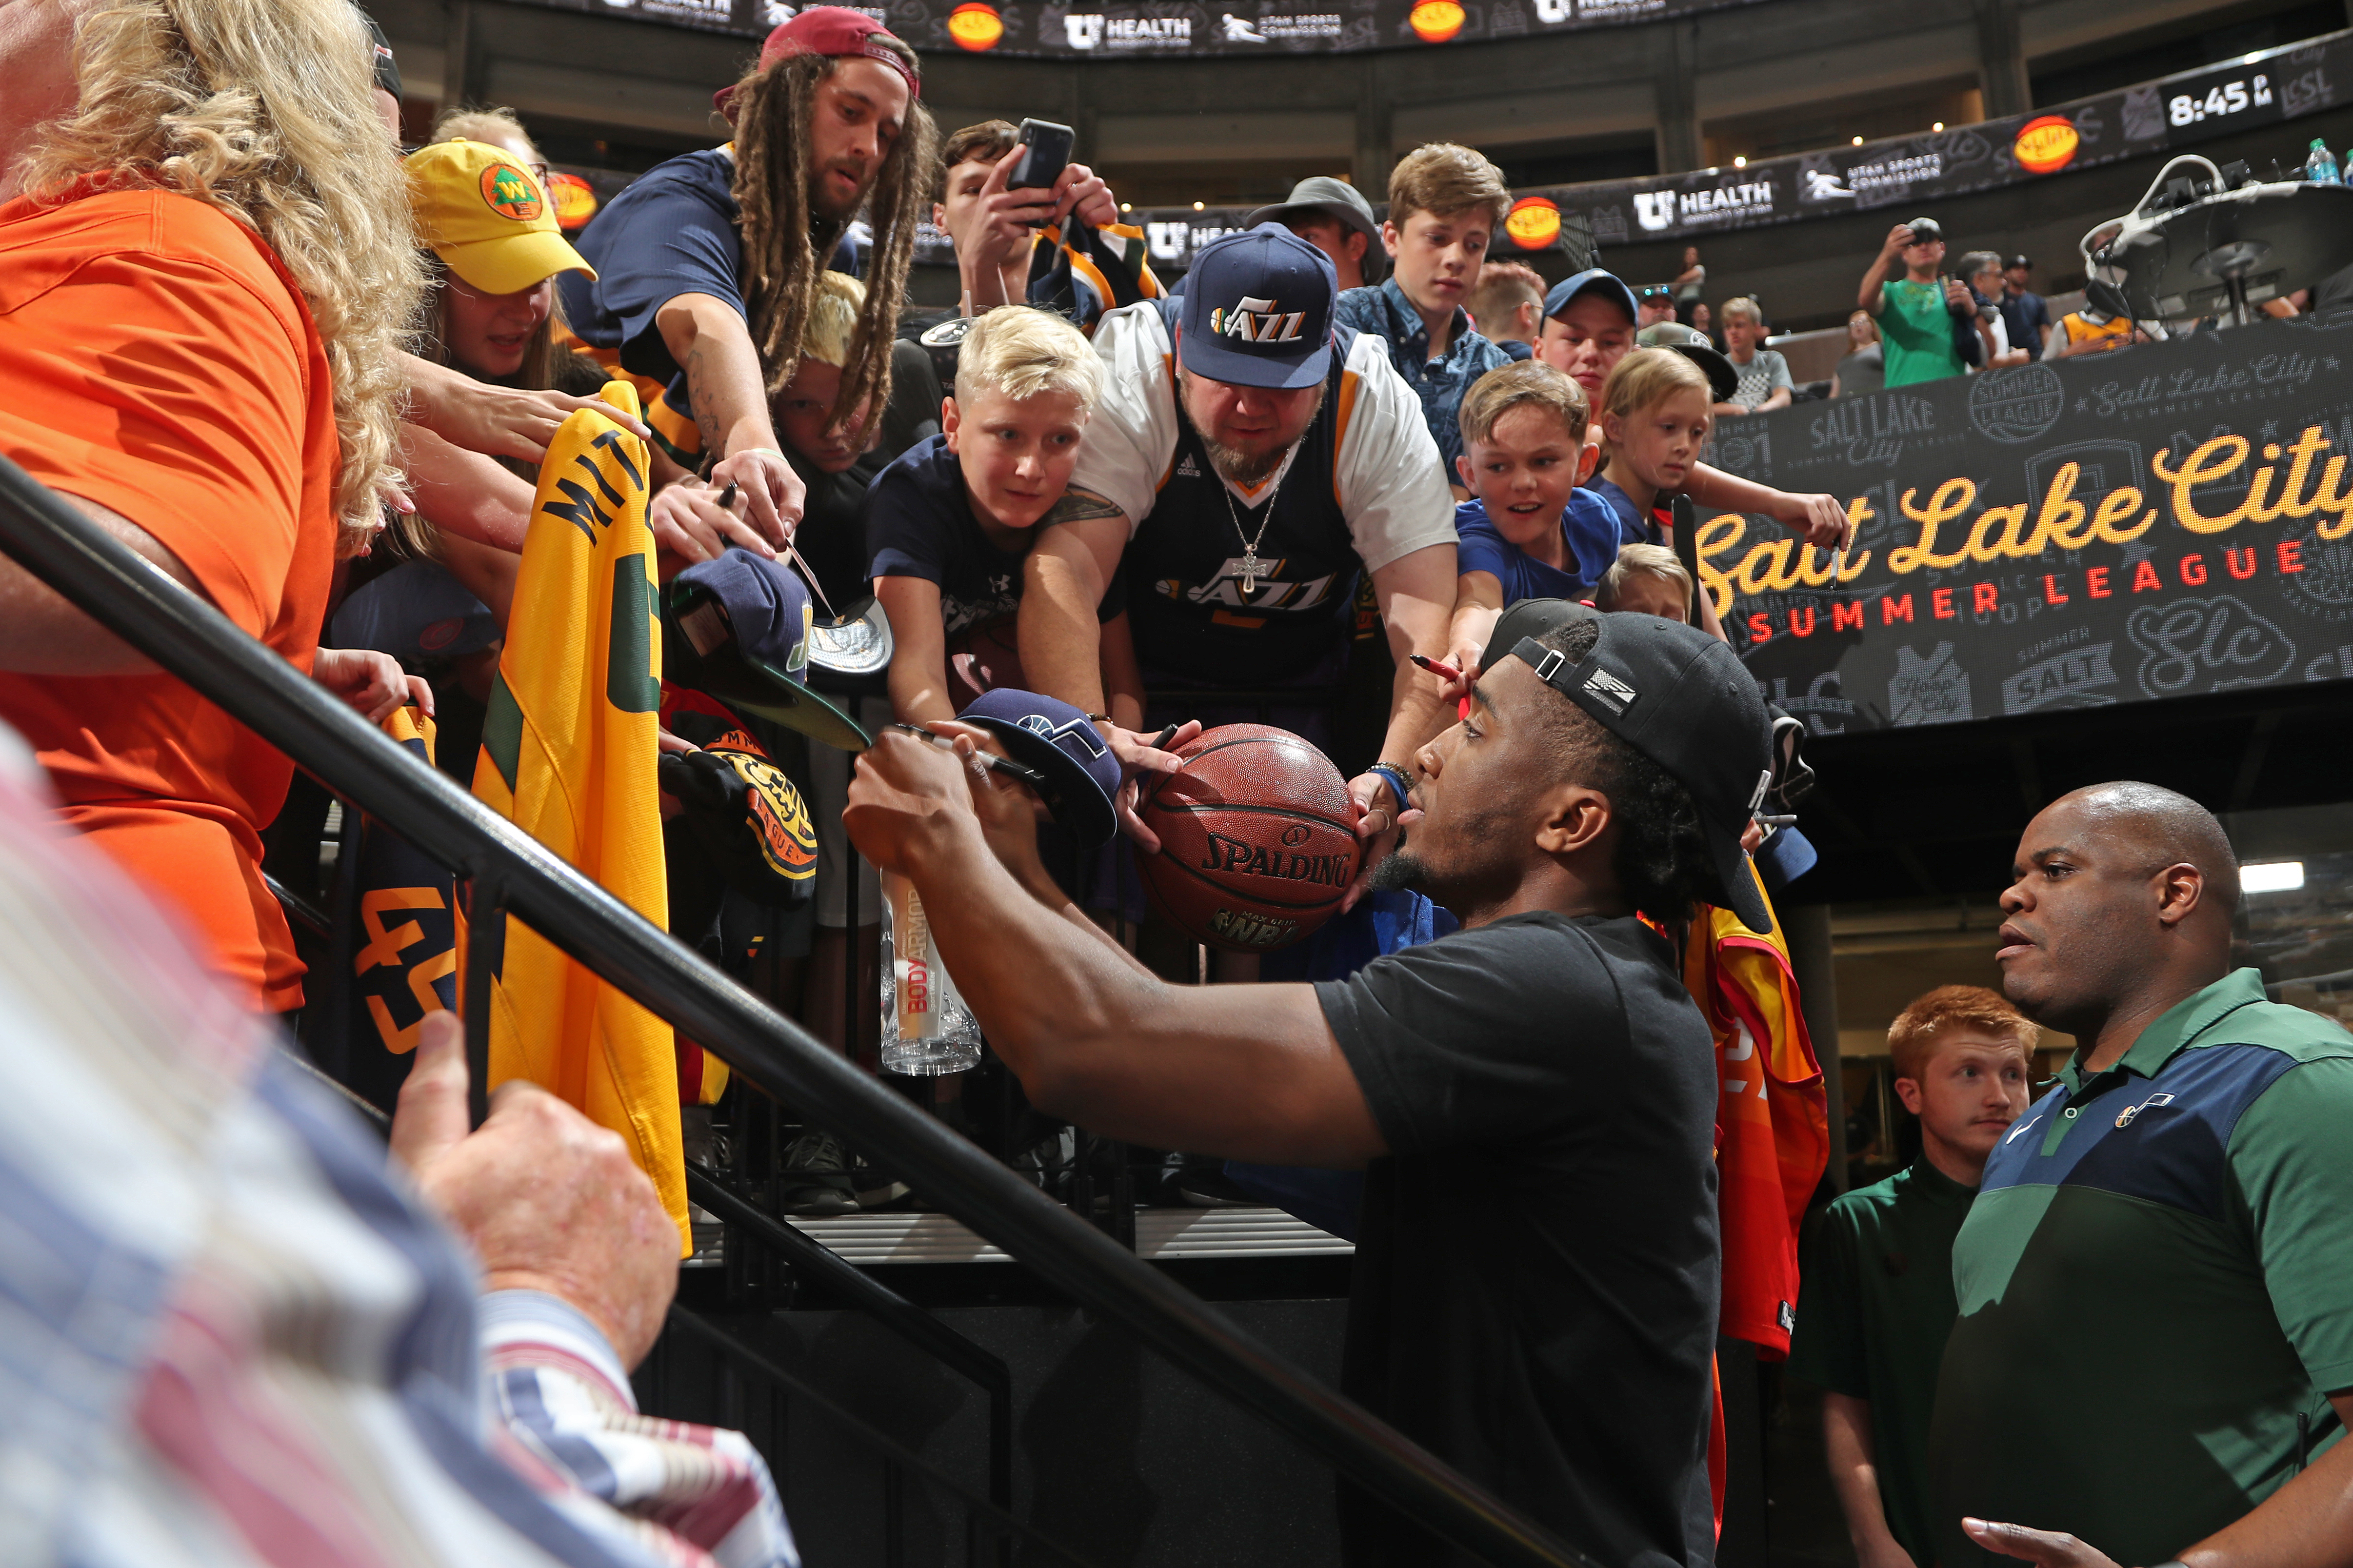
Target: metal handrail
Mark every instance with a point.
(189, 637)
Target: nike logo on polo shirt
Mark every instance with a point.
(2023, 1127)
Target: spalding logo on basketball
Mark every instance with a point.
(1257, 841)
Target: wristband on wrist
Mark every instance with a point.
(1395, 777)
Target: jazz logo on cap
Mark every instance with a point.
(512, 193)
(1257, 322)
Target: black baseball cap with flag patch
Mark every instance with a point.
(1258, 310)
(738, 629)
(1683, 700)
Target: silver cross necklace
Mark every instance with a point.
(1252, 567)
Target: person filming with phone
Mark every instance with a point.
(1915, 311)
(999, 184)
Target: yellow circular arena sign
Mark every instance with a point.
(1435, 21)
(576, 200)
(1533, 223)
(2046, 145)
(976, 26)
(513, 194)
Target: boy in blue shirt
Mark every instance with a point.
(1530, 532)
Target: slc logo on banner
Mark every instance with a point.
(568, 754)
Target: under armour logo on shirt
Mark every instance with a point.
(1257, 322)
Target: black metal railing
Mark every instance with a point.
(510, 872)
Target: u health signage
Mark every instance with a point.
(2160, 116)
(1175, 28)
(2170, 520)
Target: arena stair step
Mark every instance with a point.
(907, 1237)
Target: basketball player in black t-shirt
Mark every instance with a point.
(1554, 1341)
(1246, 463)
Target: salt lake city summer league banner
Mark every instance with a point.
(2174, 521)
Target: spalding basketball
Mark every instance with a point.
(1257, 841)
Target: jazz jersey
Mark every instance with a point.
(1243, 587)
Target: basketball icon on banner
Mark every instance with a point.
(1435, 21)
(2046, 145)
(1533, 223)
(976, 26)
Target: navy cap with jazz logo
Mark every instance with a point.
(1258, 310)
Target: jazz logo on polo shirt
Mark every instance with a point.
(2150, 1103)
(512, 194)
(1257, 322)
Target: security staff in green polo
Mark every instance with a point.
(2154, 1356)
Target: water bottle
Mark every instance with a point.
(2320, 164)
(926, 1027)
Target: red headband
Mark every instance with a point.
(834, 31)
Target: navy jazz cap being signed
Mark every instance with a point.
(1060, 742)
(1683, 700)
(1258, 310)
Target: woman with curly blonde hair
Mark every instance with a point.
(205, 238)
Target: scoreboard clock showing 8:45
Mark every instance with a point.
(2222, 99)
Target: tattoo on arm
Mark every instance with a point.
(1078, 505)
(706, 419)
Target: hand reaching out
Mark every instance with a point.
(2050, 1548)
(1139, 759)
(550, 1200)
(371, 682)
(687, 520)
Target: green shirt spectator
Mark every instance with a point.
(1877, 1304)
(1914, 304)
(1877, 1300)
(2156, 1287)
(1915, 331)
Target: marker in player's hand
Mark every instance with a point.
(1437, 667)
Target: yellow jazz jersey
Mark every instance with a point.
(568, 754)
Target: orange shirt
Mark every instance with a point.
(156, 359)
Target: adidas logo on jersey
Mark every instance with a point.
(1257, 322)
(1187, 469)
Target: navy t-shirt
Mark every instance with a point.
(673, 231)
(1634, 525)
(1588, 527)
(918, 524)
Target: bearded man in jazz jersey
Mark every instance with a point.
(1247, 462)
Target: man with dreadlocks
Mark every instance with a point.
(706, 268)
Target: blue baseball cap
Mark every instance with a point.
(1258, 310)
(1612, 289)
(738, 629)
(1060, 742)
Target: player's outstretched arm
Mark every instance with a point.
(1250, 1071)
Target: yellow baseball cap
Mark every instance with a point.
(486, 217)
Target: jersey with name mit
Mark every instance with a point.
(1361, 489)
